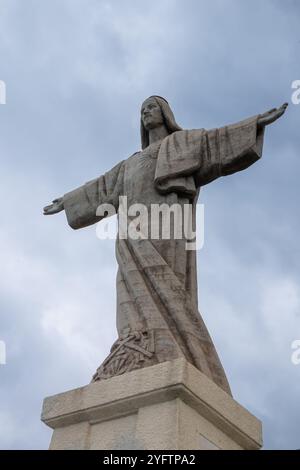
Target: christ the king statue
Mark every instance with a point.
(157, 306)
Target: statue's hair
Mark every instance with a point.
(168, 116)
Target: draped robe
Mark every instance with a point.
(157, 305)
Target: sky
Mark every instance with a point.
(76, 73)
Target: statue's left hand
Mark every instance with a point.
(271, 116)
(56, 206)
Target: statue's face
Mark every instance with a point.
(151, 114)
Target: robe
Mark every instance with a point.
(157, 306)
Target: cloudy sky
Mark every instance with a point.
(76, 72)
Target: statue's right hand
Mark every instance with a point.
(56, 206)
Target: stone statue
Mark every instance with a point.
(157, 306)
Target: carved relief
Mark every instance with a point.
(129, 352)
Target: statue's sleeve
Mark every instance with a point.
(229, 149)
(81, 204)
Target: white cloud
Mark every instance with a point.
(280, 307)
(8, 429)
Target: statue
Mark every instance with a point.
(157, 307)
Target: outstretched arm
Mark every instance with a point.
(271, 116)
(81, 204)
(235, 147)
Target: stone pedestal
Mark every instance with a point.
(169, 406)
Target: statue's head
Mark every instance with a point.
(156, 112)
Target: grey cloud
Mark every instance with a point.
(76, 73)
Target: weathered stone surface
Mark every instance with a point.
(157, 306)
(167, 406)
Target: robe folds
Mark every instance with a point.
(157, 306)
